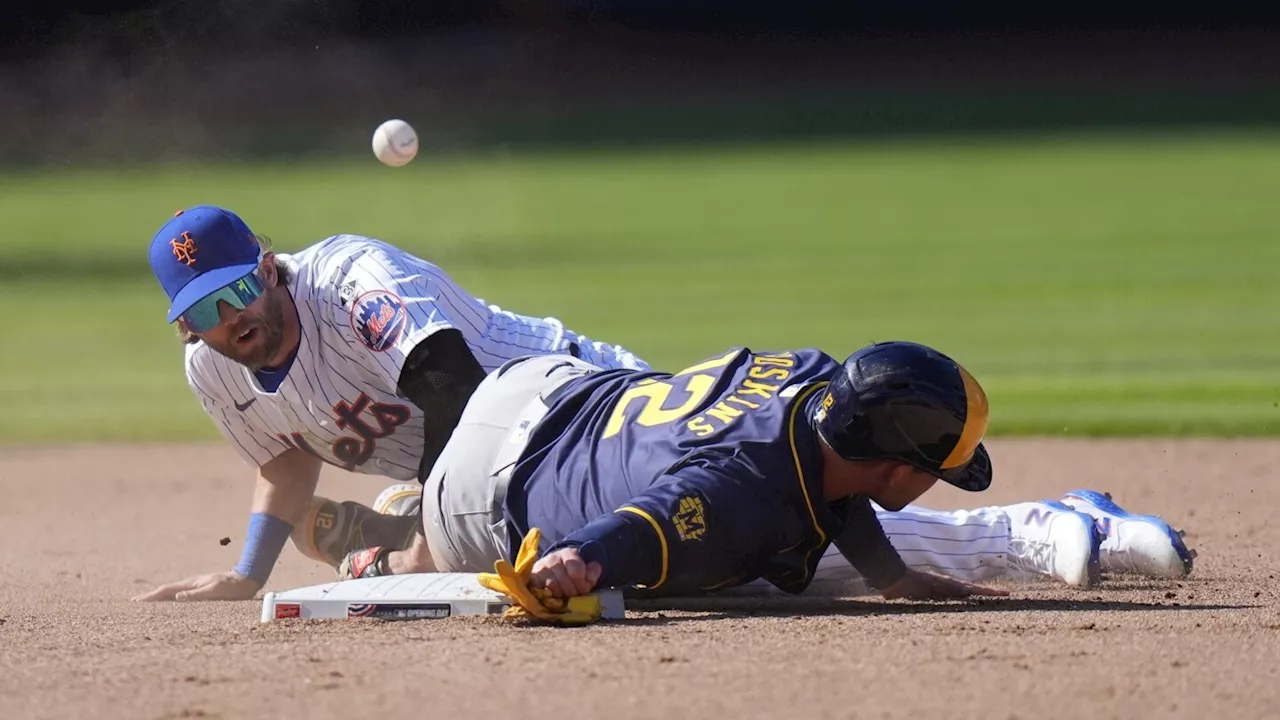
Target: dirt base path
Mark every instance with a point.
(84, 528)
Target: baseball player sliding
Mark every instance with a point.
(354, 353)
(745, 466)
(744, 469)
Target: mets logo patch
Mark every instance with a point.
(185, 251)
(378, 317)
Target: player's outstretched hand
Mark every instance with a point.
(918, 585)
(565, 573)
(214, 586)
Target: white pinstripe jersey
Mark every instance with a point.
(363, 305)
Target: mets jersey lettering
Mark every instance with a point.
(363, 305)
(353, 452)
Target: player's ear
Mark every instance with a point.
(267, 270)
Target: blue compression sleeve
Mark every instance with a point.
(262, 546)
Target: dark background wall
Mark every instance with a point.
(236, 79)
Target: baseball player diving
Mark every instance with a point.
(745, 467)
(357, 354)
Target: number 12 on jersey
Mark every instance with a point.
(696, 383)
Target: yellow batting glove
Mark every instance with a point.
(513, 581)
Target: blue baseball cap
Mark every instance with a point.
(199, 251)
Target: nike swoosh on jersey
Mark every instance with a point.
(245, 406)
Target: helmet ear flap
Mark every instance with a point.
(857, 437)
(844, 424)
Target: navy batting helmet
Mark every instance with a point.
(908, 402)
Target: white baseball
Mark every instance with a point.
(395, 143)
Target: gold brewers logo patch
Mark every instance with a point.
(689, 519)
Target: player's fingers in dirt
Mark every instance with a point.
(163, 593)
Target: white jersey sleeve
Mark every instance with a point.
(234, 417)
(386, 302)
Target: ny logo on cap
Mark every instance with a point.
(184, 251)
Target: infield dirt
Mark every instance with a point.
(83, 528)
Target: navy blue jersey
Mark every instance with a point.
(682, 483)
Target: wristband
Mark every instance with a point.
(262, 546)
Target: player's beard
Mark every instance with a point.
(268, 326)
(274, 327)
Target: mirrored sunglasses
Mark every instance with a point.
(204, 315)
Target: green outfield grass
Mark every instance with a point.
(1095, 285)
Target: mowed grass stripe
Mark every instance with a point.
(1095, 285)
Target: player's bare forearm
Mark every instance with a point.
(918, 585)
(286, 485)
(282, 495)
(284, 490)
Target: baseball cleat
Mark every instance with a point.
(367, 563)
(1050, 538)
(399, 499)
(1133, 543)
